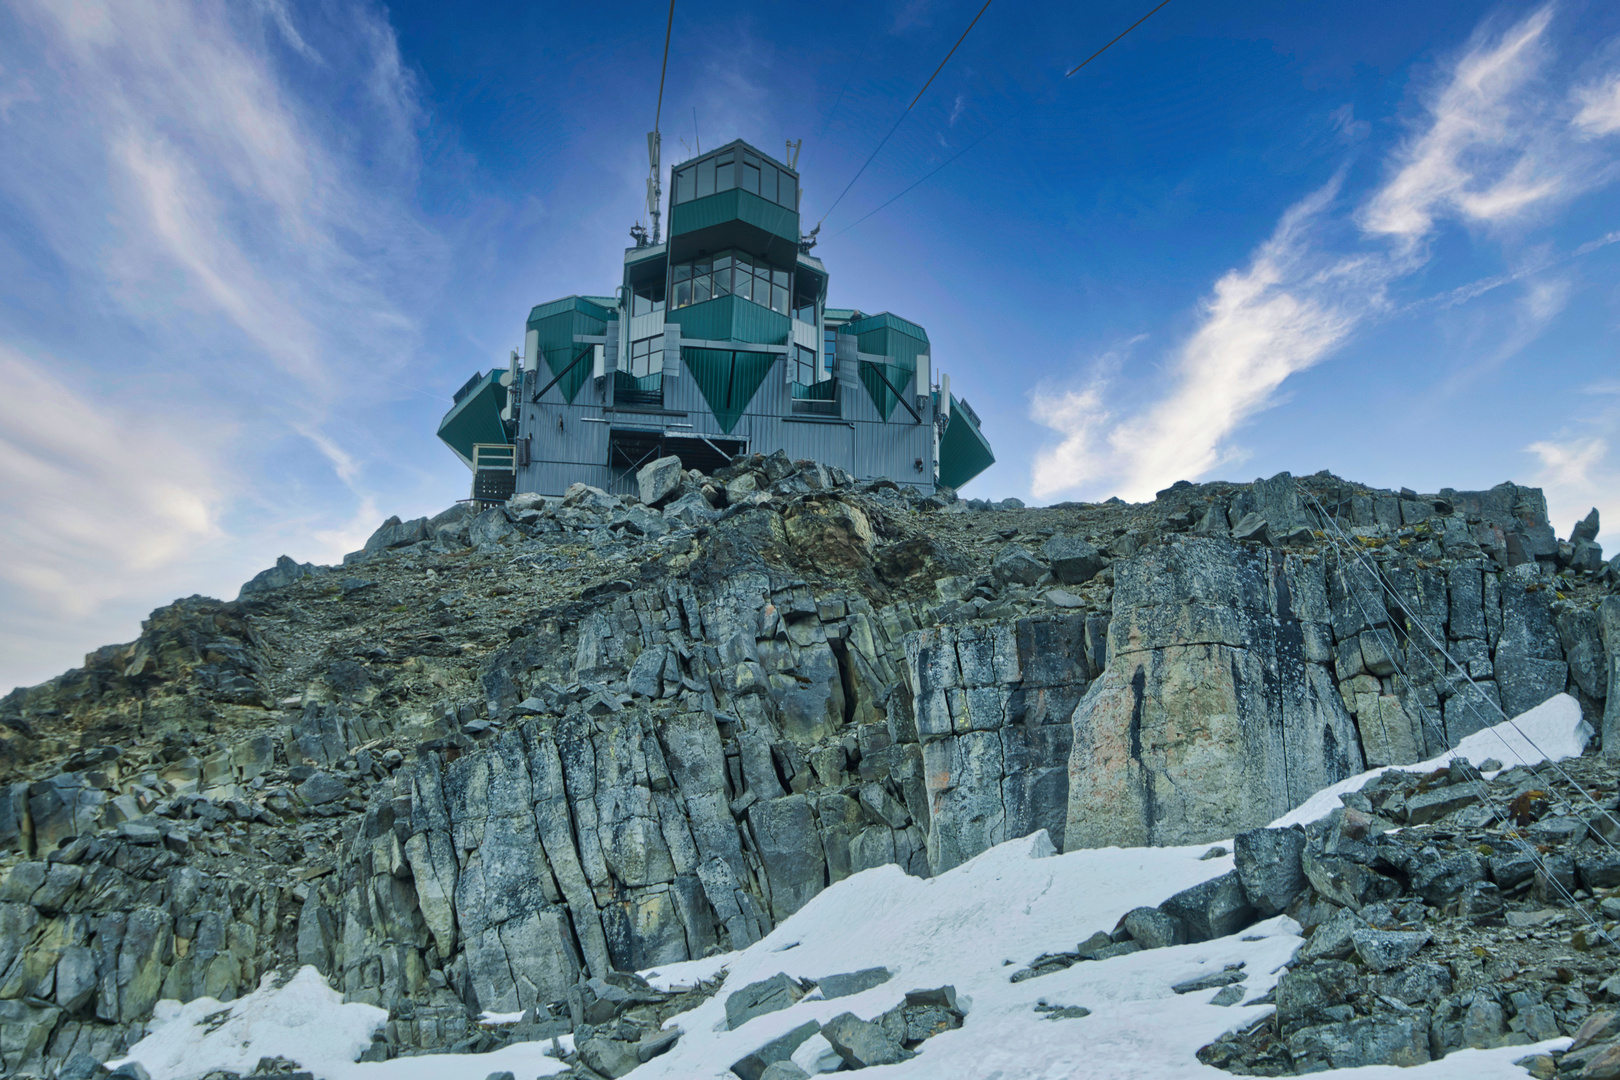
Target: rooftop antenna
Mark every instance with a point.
(655, 191)
(695, 138)
(793, 146)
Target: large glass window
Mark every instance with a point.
(731, 273)
(804, 298)
(646, 357)
(830, 353)
(647, 298)
(736, 168)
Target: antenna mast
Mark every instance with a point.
(655, 189)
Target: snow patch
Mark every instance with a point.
(687, 973)
(1552, 730)
(304, 1020)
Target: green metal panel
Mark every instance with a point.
(476, 418)
(556, 325)
(760, 325)
(884, 398)
(963, 450)
(728, 380)
(898, 339)
(826, 390)
(708, 321)
(734, 205)
(570, 303)
(888, 321)
(731, 318)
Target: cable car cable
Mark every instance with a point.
(902, 116)
(664, 68)
(981, 138)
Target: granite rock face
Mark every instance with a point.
(1218, 710)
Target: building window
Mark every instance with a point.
(736, 167)
(647, 298)
(830, 352)
(730, 273)
(812, 393)
(646, 357)
(804, 366)
(804, 297)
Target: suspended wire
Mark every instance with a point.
(1111, 44)
(948, 56)
(862, 169)
(929, 176)
(664, 69)
(1476, 778)
(987, 134)
(1479, 694)
(871, 157)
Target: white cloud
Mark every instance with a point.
(230, 233)
(1600, 107)
(1257, 328)
(1485, 154)
(98, 505)
(1471, 156)
(1577, 474)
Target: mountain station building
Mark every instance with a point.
(715, 342)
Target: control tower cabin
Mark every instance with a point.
(715, 343)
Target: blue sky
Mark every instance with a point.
(247, 250)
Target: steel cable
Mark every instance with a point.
(901, 118)
(1477, 778)
(1389, 587)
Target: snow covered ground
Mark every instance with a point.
(971, 928)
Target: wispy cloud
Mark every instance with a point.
(1600, 107)
(228, 210)
(1494, 144)
(99, 507)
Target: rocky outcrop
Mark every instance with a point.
(1451, 932)
(1218, 710)
(501, 757)
(993, 706)
(1243, 676)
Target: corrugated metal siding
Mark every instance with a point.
(555, 340)
(731, 318)
(646, 326)
(887, 320)
(760, 325)
(476, 418)
(728, 380)
(805, 334)
(734, 205)
(570, 303)
(882, 396)
(708, 321)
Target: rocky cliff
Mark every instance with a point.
(495, 758)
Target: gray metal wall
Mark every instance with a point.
(568, 441)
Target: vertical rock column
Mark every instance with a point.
(1218, 710)
(992, 709)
